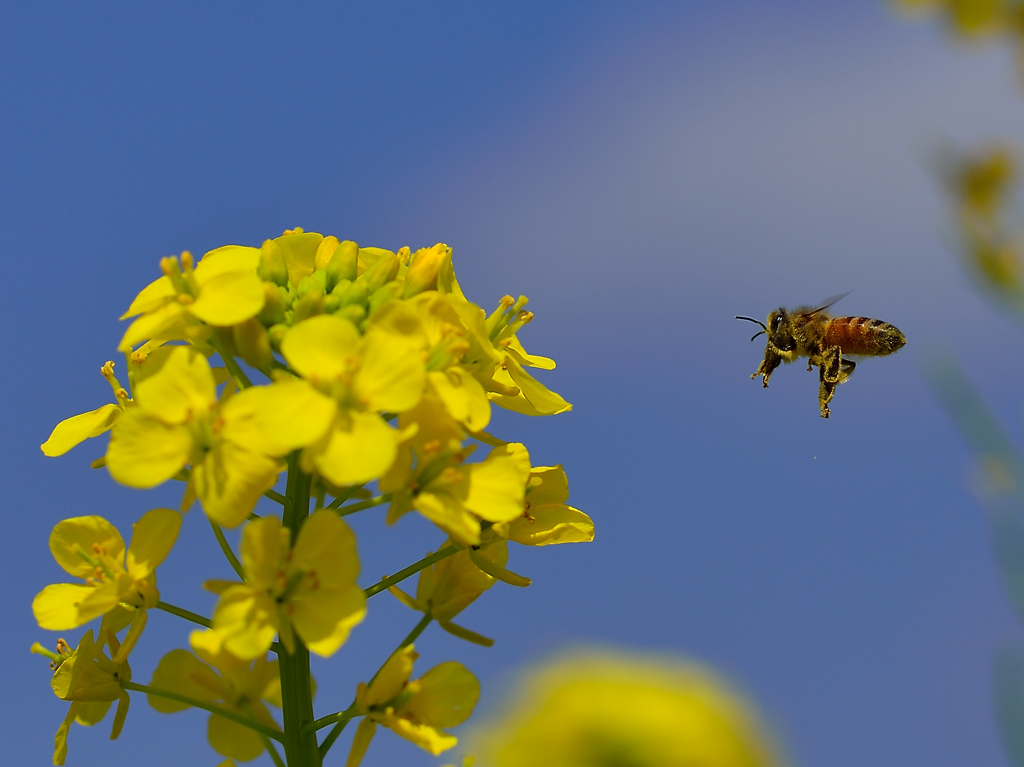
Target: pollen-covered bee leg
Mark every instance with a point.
(846, 370)
(767, 366)
(830, 371)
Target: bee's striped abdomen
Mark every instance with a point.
(863, 335)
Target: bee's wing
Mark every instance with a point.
(828, 303)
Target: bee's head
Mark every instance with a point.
(780, 331)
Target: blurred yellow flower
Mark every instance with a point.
(240, 686)
(594, 709)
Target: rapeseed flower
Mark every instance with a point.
(222, 290)
(180, 421)
(417, 710)
(92, 549)
(309, 589)
(355, 378)
(91, 681)
(217, 677)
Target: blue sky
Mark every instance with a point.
(643, 172)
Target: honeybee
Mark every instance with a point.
(826, 341)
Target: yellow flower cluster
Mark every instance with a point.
(341, 367)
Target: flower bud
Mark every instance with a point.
(273, 305)
(355, 313)
(325, 251)
(272, 266)
(384, 269)
(275, 333)
(253, 344)
(385, 293)
(342, 265)
(311, 303)
(424, 268)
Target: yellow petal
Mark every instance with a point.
(56, 606)
(278, 419)
(463, 397)
(447, 513)
(423, 735)
(101, 599)
(230, 480)
(164, 322)
(182, 389)
(446, 697)
(247, 621)
(264, 548)
(154, 295)
(181, 672)
(229, 298)
(361, 742)
(451, 585)
(143, 452)
(356, 454)
(152, 539)
(324, 618)
(496, 488)
(554, 523)
(90, 536)
(535, 399)
(391, 678)
(233, 740)
(520, 355)
(79, 428)
(548, 484)
(392, 374)
(227, 258)
(327, 546)
(299, 252)
(319, 348)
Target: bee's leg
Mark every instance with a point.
(767, 367)
(830, 371)
(846, 370)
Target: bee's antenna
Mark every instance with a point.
(756, 322)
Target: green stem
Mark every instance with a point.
(276, 496)
(344, 717)
(412, 569)
(344, 511)
(229, 362)
(218, 710)
(183, 613)
(269, 745)
(300, 747)
(226, 548)
(344, 496)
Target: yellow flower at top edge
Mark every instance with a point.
(218, 677)
(417, 710)
(223, 290)
(309, 589)
(179, 421)
(358, 377)
(92, 549)
(593, 708)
